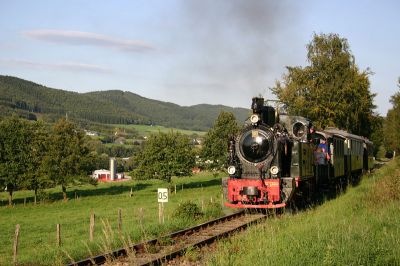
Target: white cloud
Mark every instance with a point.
(88, 38)
(70, 66)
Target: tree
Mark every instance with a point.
(216, 139)
(68, 156)
(331, 91)
(377, 135)
(35, 177)
(15, 137)
(165, 155)
(392, 124)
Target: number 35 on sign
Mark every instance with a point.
(162, 194)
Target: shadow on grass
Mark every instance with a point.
(325, 192)
(199, 184)
(76, 192)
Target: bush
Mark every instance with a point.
(188, 210)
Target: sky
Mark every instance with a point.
(191, 51)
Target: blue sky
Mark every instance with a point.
(190, 52)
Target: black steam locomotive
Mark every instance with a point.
(278, 158)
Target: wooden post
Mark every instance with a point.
(161, 213)
(120, 221)
(58, 235)
(15, 247)
(141, 215)
(211, 199)
(91, 229)
(175, 189)
(131, 194)
(24, 202)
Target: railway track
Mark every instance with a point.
(167, 247)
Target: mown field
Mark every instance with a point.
(360, 227)
(37, 245)
(145, 130)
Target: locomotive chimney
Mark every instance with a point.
(257, 105)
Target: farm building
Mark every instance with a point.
(103, 175)
(108, 175)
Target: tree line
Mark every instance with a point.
(34, 156)
(391, 125)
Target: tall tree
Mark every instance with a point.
(216, 139)
(35, 175)
(377, 135)
(331, 91)
(165, 155)
(15, 137)
(392, 124)
(67, 156)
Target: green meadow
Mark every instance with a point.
(145, 130)
(360, 227)
(37, 240)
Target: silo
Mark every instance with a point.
(113, 168)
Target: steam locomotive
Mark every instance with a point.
(278, 159)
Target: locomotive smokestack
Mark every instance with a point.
(257, 104)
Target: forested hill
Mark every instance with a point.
(32, 100)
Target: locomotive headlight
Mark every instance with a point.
(274, 170)
(231, 170)
(254, 119)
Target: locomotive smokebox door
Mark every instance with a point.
(250, 191)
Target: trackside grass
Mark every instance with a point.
(360, 227)
(37, 245)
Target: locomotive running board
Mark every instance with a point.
(251, 206)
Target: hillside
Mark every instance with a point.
(32, 100)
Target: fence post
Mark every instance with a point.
(91, 229)
(15, 247)
(58, 235)
(120, 221)
(141, 215)
(161, 213)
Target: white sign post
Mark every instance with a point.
(162, 195)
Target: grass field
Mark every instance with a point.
(37, 243)
(360, 227)
(144, 130)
